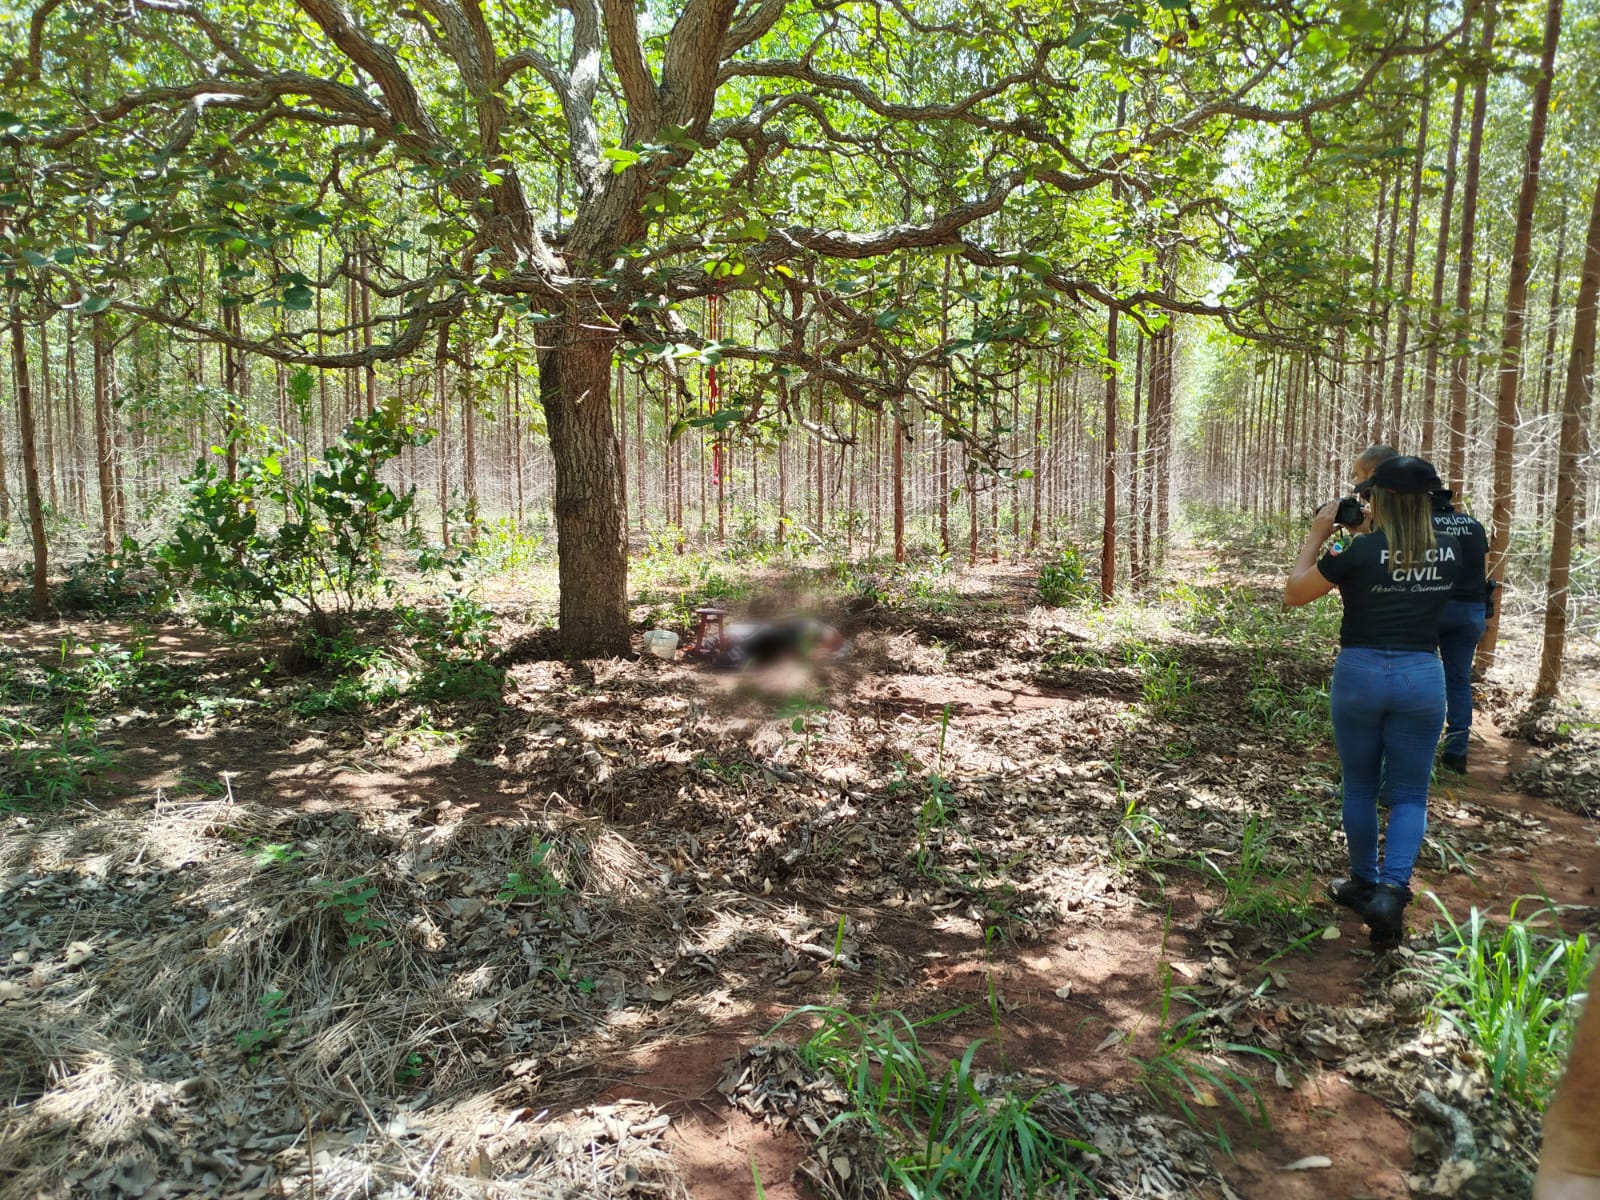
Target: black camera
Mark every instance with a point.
(1350, 513)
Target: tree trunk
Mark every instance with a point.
(1569, 481)
(1547, 362)
(1108, 528)
(1514, 320)
(1038, 451)
(102, 434)
(1135, 467)
(591, 548)
(1397, 381)
(899, 487)
(48, 412)
(40, 601)
(469, 452)
(1462, 318)
(1441, 255)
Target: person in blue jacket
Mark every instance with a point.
(1388, 692)
(1461, 625)
(1462, 622)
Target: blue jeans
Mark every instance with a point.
(1460, 629)
(1388, 708)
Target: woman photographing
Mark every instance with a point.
(1388, 693)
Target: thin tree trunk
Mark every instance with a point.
(469, 452)
(1441, 255)
(48, 411)
(39, 603)
(899, 487)
(638, 448)
(1108, 529)
(1569, 475)
(1135, 467)
(102, 434)
(1462, 318)
(1548, 362)
(1038, 451)
(1514, 319)
(1397, 380)
(443, 440)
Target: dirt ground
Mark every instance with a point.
(521, 945)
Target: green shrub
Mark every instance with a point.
(1062, 581)
(326, 557)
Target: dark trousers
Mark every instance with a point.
(1460, 628)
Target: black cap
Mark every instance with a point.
(1407, 475)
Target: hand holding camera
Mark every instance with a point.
(1350, 514)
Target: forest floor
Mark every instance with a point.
(456, 918)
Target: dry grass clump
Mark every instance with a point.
(238, 997)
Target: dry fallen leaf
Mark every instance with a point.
(1064, 991)
(79, 953)
(1111, 1039)
(1283, 1079)
(1312, 1162)
(1331, 933)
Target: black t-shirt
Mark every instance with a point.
(1389, 609)
(1474, 550)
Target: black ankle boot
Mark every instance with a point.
(1353, 893)
(1385, 914)
(1454, 762)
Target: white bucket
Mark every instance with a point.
(663, 643)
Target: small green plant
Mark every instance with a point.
(352, 900)
(1062, 580)
(533, 881)
(1513, 992)
(806, 717)
(1165, 685)
(946, 1135)
(274, 854)
(1185, 1069)
(274, 1017)
(1137, 833)
(412, 1069)
(49, 768)
(1256, 891)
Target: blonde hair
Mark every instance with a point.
(1407, 523)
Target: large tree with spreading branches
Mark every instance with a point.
(597, 168)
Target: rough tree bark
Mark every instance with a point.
(591, 547)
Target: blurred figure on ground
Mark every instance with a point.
(740, 645)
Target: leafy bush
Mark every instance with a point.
(326, 556)
(1062, 581)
